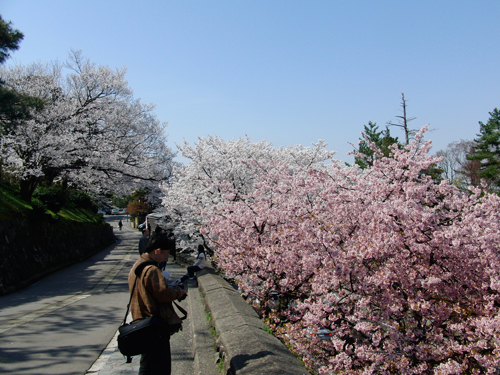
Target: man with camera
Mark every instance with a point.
(152, 296)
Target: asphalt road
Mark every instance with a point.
(61, 324)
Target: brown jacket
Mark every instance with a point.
(152, 293)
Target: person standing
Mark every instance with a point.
(171, 245)
(120, 225)
(159, 236)
(152, 296)
(143, 241)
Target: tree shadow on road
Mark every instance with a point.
(65, 341)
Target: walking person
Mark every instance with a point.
(120, 225)
(152, 296)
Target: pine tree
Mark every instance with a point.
(382, 140)
(9, 39)
(487, 150)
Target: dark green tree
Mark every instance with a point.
(487, 150)
(382, 140)
(9, 99)
(9, 39)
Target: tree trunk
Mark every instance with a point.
(27, 187)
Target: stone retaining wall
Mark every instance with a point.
(243, 344)
(31, 250)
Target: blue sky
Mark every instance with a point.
(290, 72)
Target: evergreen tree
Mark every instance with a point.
(9, 99)
(382, 140)
(487, 150)
(9, 39)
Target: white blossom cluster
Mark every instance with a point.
(193, 188)
(87, 129)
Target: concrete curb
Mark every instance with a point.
(203, 342)
(243, 345)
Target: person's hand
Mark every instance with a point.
(182, 295)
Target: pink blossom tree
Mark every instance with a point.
(404, 272)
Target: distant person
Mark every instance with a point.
(120, 225)
(143, 241)
(156, 234)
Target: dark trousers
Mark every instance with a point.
(157, 361)
(192, 270)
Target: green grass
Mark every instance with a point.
(79, 215)
(12, 204)
(266, 328)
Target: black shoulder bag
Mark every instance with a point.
(141, 335)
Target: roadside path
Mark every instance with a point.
(60, 324)
(66, 322)
(183, 347)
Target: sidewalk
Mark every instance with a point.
(242, 343)
(192, 349)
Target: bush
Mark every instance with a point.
(82, 200)
(38, 208)
(53, 197)
(38, 205)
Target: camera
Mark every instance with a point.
(179, 283)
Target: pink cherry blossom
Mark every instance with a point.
(402, 270)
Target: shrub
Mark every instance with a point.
(53, 197)
(82, 200)
(38, 209)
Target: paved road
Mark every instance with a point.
(111, 362)
(61, 324)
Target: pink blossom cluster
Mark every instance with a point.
(403, 271)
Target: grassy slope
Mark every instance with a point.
(12, 204)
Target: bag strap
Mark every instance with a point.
(138, 272)
(182, 311)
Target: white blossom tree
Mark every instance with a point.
(90, 131)
(214, 160)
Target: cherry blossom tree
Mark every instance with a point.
(404, 272)
(213, 160)
(89, 131)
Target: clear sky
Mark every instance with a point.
(290, 72)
